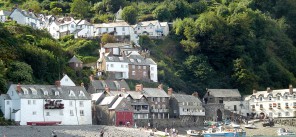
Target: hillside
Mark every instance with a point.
(244, 44)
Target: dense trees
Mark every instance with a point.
(80, 8)
(130, 14)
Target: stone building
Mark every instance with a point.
(222, 104)
(75, 63)
(188, 108)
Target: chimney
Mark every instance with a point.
(139, 87)
(195, 94)
(160, 86)
(107, 89)
(268, 90)
(123, 90)
(91, 78)
(82, 84)
(291, 89)
(18, 88)
(58, 83)
(254, 91)
(170, 91)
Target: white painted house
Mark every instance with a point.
(25, 18)
(152, 28)
(67, 81)
(4, 15)
(116, 28)
(62, 27)
(47, 104)
(84, 29)
(273, 103)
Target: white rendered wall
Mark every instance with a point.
(154, 72)
(118, 67)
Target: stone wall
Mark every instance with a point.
(286, 121)
(177, 122)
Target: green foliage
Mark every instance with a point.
(33, 5)
(162, 13)
(56, 11)
(103, 18)
(113, 5)
(80, 8)
(20, 72)
(130, 14)
(107, 38)
(2, 77)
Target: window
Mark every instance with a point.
(56, 93)
(261, 98)
(71, 113)
(81, 93)
(71, 103)
(158, 99)
(261, 106)
(107, 29)
(112, 65)
(287, 105)
(279, 114)
(81, 113)
(34, 102)
(132, 60)
(81, 103)
(123, 28)
(270, 105)
(294, 104)
(294, 96)
(125, 66)
(163, 106)
(66, 79)
(133, 73)
(72, 26)
(278, 97)
(133, 66)
(47, 114)
(152, 75)
(121, 66)
(287, 114)
(128, 98)
(144, 67)
(7, 102)
(234, 108)
(159, 107)
(152, 68)
(34, 113)
(29, 102)
(76, 64)
(61, 112)
(152, 99)
(270, 98)
(279, 105)
(270, 114)
(163, 99)
(144, 73)
(139, 67)
(286, 96)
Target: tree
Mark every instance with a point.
(56, 11)
(80, 8)
(2, 77)
(130, 14)
(33, 5)
(106, 38)
(162, 13)
(20, 72)
(113, 5)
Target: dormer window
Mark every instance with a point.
(286, 96)
(261, 98)
(34, 91)
(45, 92)
(81, 93)
(294, 96)
(139, 60)
(25, 91)
(270, 97)
(56, 93)
(278, 97)
(71, 93)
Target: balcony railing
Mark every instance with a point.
(54, 104)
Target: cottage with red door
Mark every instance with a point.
(122, 112)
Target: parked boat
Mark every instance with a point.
(250, 126)
(284, 132)
(238, 132)
(234, 125)
(194, 133)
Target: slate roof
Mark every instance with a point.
(146, 23)
(76, 31)
(4, 13)
(117, 102)
(96, 96)
(116, 45)
(163, 24)
(5, 96)
(112, 84)
(154, 92)
(75, 60)
(224, 92)
(83, 22)
(64, 92)
(107, 100)
(26, 13)
(112, 24)
(131, 59)
(185, 98)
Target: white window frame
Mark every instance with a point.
(71, 113)
(34, 113)
(29, 102)
(47, 113)
(81, 112)
(81, 103)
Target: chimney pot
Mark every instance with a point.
(170, 91)
(123, 90)
(91, 78)
(139, 87)
(254, 91)
(291, 89)
(58, 83)
(268, 90)
(195, 94)
(160, 86)
(18, 87)
(82, 84)
(107, 89)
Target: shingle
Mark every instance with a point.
(224, 92)
(186, 98)
(154, 92)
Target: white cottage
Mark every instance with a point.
(47, 105)
(25, 18)
(4, 15)
(84, 29)
(152, 28)
(116, 28)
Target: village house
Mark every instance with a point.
(121, 61)
(25, 18)
(47, 105)
(152, 28)
(84, 29)
(4, 15)
(99, 86)
(75, 63)
(61, 27)
(188, 108)
(279, 103)
(223, 104)
(67, 81)
(118, 29)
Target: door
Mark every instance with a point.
(219, 115)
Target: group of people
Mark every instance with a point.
(172, 132)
